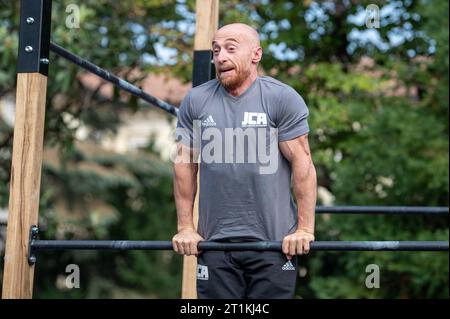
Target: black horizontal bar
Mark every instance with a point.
(125, 85)
(388, 210)
(37, 245)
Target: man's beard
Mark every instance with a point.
(233, 82)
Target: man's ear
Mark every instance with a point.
(257, 55)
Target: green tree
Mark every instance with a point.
(379, 133)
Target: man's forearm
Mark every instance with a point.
(305, 190)
(185, 188)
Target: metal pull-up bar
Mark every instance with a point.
(37, 245)
(52, 245)
(383, 210)
(106, 75)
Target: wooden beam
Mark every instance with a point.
(189, 283)
(24, 183)
(206, 22)
(207, 17)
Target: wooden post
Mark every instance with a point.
(207, 17)
(32, 68)
(25, 183)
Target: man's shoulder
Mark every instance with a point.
(278, 90)
(204, 89)
(274, 84)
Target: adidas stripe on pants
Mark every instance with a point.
(245, 275)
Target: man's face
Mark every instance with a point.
(232, 58)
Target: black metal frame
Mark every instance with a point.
(119, 82)
(385, 210)
(37, 245)
(34, 36)
(204, 69)
(50, 245)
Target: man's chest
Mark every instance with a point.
(245, 114)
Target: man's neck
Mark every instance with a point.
(244, 86)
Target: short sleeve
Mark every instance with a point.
(292, 115)
(185, 122)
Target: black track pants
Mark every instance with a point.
(246, 274)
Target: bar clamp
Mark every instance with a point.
(33, 235)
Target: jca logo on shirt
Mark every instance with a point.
(254, 119)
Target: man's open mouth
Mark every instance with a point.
(226, 71)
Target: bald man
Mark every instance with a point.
(250, 134)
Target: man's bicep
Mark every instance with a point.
(296, 150)
(186, 154)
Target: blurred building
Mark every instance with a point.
(138, 128)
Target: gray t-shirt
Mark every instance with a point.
(245, 181)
